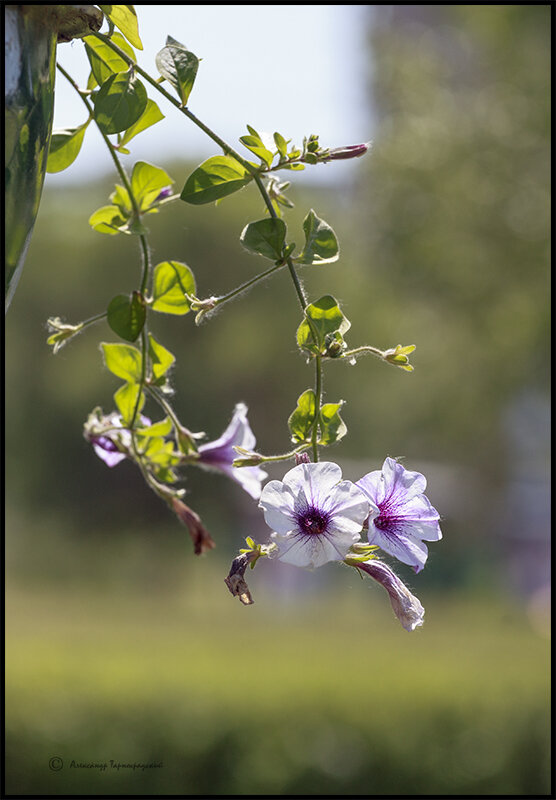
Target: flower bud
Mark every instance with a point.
(202, 540)
(407, 607)
(350, 151)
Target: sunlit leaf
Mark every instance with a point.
(321, 244)
(125, 19)
(217, 177)
(147, 181)
(265, 237)
(302, 419)
(126, 400)
(121, 100)
(178, 66)
(161, 358)
(64, 147)
(172, 280)
(126, 315)
(103, 60)
(123, 360)
(323, 319)
(150, 116)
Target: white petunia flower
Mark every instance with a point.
(316, 517)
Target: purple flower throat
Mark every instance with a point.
(387, 518)
(312, 521)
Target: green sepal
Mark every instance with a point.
(323, 320)
(103, 60)
(123, 360)
(331, 425)
(65, 145)
(121, 100)
(321, 244)
(301, 421)
(161, 358)
(172, 281)
(178, 66)
(126, 315)
(265, 237)
(126, 400)
(108, 219)
(215, 178)
(150, 116)
(146, 183)
(124, 18)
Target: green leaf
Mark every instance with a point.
(321, 244)
(126, 315)
(302, 419)
(161, 359)
(147, 182)
(171, 282)
(150, 116)
(332, 427)
(126, 399)
(120, 197)
(323, 319)
(256, 145)
(178, 66)
(282, 145)
(125, 19)
(123, 360)
(103, 60)
(160, 452)
(121, 100)
(107, 219)
(265, 237)
(64, 148)
(162, 428)
(217, 177)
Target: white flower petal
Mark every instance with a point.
(277, 501)
(311, 552)
(348, 506)
(313, 480)
(400, 481)
(408, 551)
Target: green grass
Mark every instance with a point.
(327, 695)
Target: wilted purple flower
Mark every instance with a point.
(349, 151)
(111, 441)
(401, 516)
(316, 517)
(220, 454)
(407, 607)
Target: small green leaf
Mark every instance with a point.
(126, 315)
(160, 452)
(147, 182)
(123, 360)
(321, 244)
(121, 100)
(107, 219)
(217, 177)
(265, 237)
(64, 148)
(171, 282)
(162, 428)
(120, 197)
(332, 427)
(124, 18)
(302, 419)
(161, 359)
(150, 116)
(282, 145)
(323, 318)
(178, 66)
(256, 145)
(126, 400)
(103, 60)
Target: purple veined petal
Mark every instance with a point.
(400, 482)
(278, 503)
(311, 552)
(373, 486)
(419, 508)
(409, 551)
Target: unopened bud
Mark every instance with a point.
(350, 151)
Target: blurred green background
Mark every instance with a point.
(122, 645)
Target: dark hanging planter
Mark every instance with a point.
(31, 35)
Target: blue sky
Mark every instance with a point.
(298, 69)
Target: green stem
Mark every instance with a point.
(318, 400)
(224, 298)
(94, 319)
